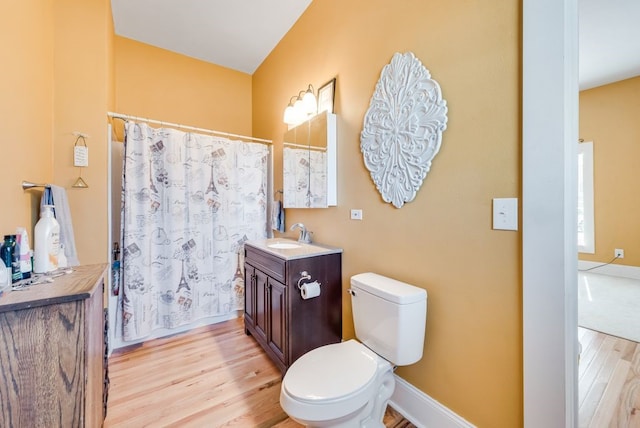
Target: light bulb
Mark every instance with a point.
(300, 114)
(289, 115)
(310, 102)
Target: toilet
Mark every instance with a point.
(348, 384)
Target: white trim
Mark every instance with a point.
(110, 306)
(332, 160)
(586, 150)
(422, 410)
(624, 271)
(549, 190)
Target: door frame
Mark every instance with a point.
(549, 195)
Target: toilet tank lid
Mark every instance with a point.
(388, 288)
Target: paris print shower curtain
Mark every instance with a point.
(189, 202)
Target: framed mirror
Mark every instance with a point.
(310, 163)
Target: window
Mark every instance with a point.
(586, 233)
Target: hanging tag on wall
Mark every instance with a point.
(81, 153)
(80, 156)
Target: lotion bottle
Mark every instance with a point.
(25, 259)
(46, 242)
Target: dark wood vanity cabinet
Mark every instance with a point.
(282, 322)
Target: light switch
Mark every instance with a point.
(505, 213)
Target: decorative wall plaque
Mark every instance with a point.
(403, 128)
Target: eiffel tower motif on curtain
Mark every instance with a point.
(183, 282)
(238, 274)
(212, 186)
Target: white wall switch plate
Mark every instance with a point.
(356, 214)
(505, 213)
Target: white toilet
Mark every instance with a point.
(348, 384)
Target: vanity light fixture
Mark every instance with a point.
(305, 105)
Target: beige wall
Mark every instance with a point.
(83, 91)
(158, 84)
(55, 82)
(61, 78)
(442, 241)
(610, 117)
(26, 103)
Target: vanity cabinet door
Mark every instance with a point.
(277, 319)
(261, 302)
(249, 295)
(285, 325)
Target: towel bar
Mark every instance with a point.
(30, 185)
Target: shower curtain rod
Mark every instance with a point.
(302, 146)
(190, 128)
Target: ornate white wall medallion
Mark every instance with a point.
(403, 128)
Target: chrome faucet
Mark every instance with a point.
(305, 235)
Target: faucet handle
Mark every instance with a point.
(307, 236)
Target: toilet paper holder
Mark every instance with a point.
(305, 277)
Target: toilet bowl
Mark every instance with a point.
(348, 384)
(336, 386)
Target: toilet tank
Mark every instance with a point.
(389, 317)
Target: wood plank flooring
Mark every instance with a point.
(214, 376)
(609, 381)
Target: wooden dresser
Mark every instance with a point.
(52, 352)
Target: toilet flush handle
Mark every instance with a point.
(351, 291)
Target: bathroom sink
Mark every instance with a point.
(289, 249)
(283, 245)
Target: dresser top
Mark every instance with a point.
(77, 285)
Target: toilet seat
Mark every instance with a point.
(332, 381)
(331, 372)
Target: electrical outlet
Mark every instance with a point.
(618, 253)
(356, 214)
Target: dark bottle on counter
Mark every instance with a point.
(16, 273)
(6, 253)
(10, 253)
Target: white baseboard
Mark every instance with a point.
(624, 271)
(422, 410)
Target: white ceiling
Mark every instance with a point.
(240, 34)
(609, 41)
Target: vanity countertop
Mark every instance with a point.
(300, 251)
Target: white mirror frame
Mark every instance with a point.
(403, 128)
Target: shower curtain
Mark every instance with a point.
(189, 202)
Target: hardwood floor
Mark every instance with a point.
(214, 376)
(609, 381)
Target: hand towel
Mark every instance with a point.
(277, 216)
(57, 196)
